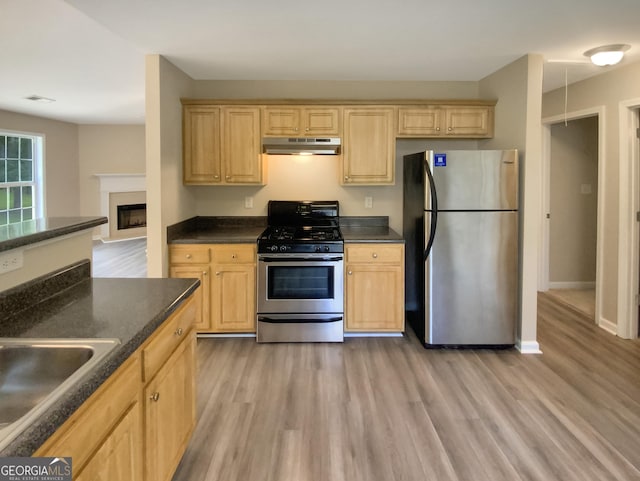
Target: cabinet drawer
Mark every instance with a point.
(86, 429)
(168, 337)
(382, 253)
(234, 254)
(188, 254)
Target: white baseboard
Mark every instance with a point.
(572, 285)
(608, 326)
(528, 347)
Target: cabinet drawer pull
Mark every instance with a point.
(188, 256)
(374, 255)
(179, 331)
(155, 397)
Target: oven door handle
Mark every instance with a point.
(299, 259)
(298, 320)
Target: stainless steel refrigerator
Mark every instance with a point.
(460, 225)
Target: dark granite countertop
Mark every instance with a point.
(84, 307)
(37, 230)
(225, 230)
(368, 229)
(216, 230)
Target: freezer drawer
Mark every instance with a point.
(471, 279)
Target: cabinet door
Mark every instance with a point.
(120, 456)
(374, 297)
(233, 298)
(281, 121)
(241, 143)
(170, 412)
(469, 122)
(202, 295)
(369, 146)
(201, 145)
(420, 122)
(319, 121)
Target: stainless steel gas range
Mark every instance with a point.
(300, 273)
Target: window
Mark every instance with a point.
(20, 178)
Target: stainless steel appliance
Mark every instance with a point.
(460, 224)
(300, 273)
(301, 145)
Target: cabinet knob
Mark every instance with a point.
(217, 273)
(450, 128)
(346, 177)
(350, 272)
(233, 256)
(374, 255)
(155, 397)
(437, 129)
(216, 177)
(179, 331)
(204, 273)
(307, 129)
(295, 129)
(227, 177)
(188, 256)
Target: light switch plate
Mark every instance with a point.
(368, 202)
(248, 202)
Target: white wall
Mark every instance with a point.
(574, 214)
(518, 87)
(107, 149)
(606, 90)
(61, 164)
(168, 201)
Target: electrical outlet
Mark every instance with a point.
(368, 202)
(11, 261)
(248, 202)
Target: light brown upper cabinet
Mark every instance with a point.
(221, 145)
(301, 121)
(368, 146)
(446, 121)
(201, 144)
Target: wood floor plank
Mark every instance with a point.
(385, 409)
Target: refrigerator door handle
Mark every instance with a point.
(434, 211)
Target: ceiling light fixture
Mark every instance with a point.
(607, 54)
(39, 98)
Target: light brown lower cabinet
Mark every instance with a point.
(137, 424)
(374, 287)
(228, 276)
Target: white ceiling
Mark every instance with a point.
(89, 54)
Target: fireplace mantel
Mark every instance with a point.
(114, 184)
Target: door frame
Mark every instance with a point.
(628, 227)
(543, 266)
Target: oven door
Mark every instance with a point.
(300, 283)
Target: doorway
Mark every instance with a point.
(571, 247)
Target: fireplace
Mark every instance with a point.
(131, 216)
(123, 200)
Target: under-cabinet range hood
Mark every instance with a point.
(301, 145)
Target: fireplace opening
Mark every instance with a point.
(132, 216)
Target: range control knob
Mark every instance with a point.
(273, 248)
(317, 249)
(283, 248)
(326, 248)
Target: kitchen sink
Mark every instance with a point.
(34, 373)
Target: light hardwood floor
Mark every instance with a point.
(125, 258)
(385, 409)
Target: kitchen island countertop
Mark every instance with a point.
(84, 307)
(38, 230)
